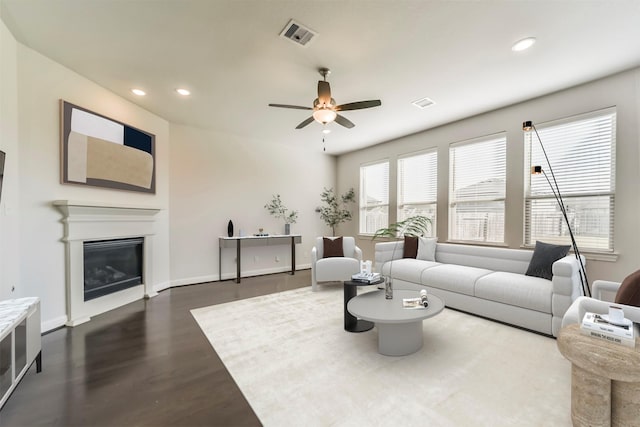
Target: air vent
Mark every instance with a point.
(298, 33)
(423, 103)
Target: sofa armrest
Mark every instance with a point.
(358, 253)
(600, 286)
(566, 288)
(386, 251)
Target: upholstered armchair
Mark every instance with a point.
(329, 264)
(599, 303)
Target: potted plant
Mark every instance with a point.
(418, 225)
(336, 209)
(278, 210)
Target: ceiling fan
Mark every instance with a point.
(324, 107)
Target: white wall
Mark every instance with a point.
(622, 91)
(41, 83)
(9, 215)
(219, 177)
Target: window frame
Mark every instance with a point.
(401, 204)
(454, 203)
(531, 141)
(363, 206)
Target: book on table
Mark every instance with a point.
(599, 326)
(367, 278)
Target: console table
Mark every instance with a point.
(271, 240)
(605, 379)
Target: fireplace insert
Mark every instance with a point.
(111, 266)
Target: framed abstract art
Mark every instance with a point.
(102, 152)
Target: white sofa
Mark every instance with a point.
(487, 281)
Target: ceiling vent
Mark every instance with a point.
(298, 33)
(423, 103)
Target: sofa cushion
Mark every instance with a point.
(336, 268)
(544, 255)
(410, 248)
(427, 248)
(533, 293)
(332, 247)
(407, 269)
(454, 278)
(629, 291)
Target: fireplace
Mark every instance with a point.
(111, 266)
(94, 228)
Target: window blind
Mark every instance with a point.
(581, 151)
(477, 175)
(374, 197)
(418, 187)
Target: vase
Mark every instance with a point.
(287, 229)
(388, 288)
(230, 229)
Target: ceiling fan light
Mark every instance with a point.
(324, 115)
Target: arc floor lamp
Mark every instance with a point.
(535, 170)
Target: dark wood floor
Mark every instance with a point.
(144, 364)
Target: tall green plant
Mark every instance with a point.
(336, 208)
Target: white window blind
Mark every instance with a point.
(581, 151)
(374, 197)
(477, 174)
(418, 187)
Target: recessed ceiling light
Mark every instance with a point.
(523, 44)
(183, 92)
(139, 92)
(326, 131)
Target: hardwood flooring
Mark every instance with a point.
(144, 364)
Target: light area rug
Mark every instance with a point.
(295, 364)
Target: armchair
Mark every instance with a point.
(334, 268)
(598, 304)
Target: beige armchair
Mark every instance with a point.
(599, 304)
(334, 268)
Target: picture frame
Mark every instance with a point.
(102, 152)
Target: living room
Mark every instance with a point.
(207, 176)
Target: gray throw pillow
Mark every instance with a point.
(544, 255)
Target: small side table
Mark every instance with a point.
(605, 379)
(352, 323)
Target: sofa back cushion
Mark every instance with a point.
(629, 291)
(496, 259)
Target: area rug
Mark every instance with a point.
(295, 364)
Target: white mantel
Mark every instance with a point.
(88, 221)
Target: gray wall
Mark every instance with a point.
(621, 90)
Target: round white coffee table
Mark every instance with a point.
(399, 329)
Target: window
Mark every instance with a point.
(374, 197)
(477, 171)
(418, 186)
(581, 151)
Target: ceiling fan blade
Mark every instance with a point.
(297, 107)
(359, 105)
(306, 122)
(342, 120)
(324, 92)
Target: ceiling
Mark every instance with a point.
(230, 55)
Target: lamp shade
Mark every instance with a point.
(324, 115)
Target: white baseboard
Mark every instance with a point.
(229, 276)
(49, 325)
(162, 286)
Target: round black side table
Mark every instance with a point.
(352, 323)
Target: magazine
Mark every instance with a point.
(412, 303)
(367, 278)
